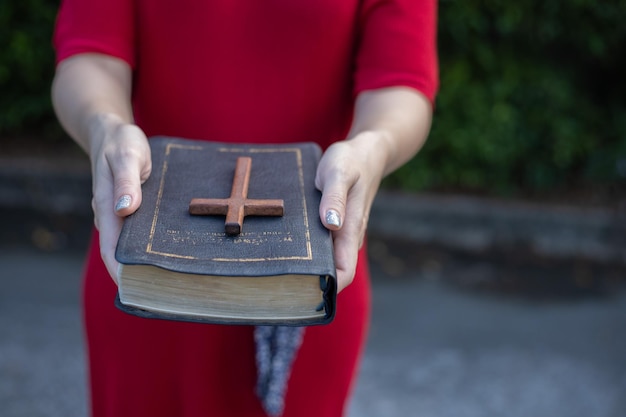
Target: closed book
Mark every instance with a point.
(183, 261)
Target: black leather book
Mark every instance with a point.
(273, 266)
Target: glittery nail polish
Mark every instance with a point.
(332, 218)
(123, 202)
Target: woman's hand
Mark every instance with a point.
(349, 175)
(121, 162)
(390, 125)
(91, 96)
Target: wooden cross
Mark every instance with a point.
(238, 205)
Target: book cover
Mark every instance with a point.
(184, 265)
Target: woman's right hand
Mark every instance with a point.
(121, 162)
(91, 94)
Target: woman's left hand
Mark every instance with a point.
(349, 175)
(389, 127)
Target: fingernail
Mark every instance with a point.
(122, 203)
(333, 219)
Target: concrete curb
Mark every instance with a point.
(452, 221)
(55, 185)
(479, 224)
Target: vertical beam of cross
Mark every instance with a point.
(238, 205)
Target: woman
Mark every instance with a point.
(357, 77)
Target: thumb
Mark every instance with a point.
(334, 179)
(332, 209)
(128, 175)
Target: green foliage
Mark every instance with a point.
(26, 64)
(532, 92)
(532, 98)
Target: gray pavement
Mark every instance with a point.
(448, 338)
(481, 307)
(42, 370)
(440, 349)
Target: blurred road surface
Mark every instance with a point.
(452, 335)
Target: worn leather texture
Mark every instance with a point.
(163, 233)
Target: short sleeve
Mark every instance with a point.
(100, 26)
(398, 46)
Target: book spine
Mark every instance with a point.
(329, 290)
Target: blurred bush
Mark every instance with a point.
(532, 92)
(26, 65)
(532, 98)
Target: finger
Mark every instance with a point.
(122, 165)
(349, 239)
(335, 186)
(346, 248)
(111, 226)
(126, 185)
(130, 167)
(107, 222)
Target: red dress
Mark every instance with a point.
(241, 71)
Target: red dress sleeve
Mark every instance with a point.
(100, 26)
(398, 46)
